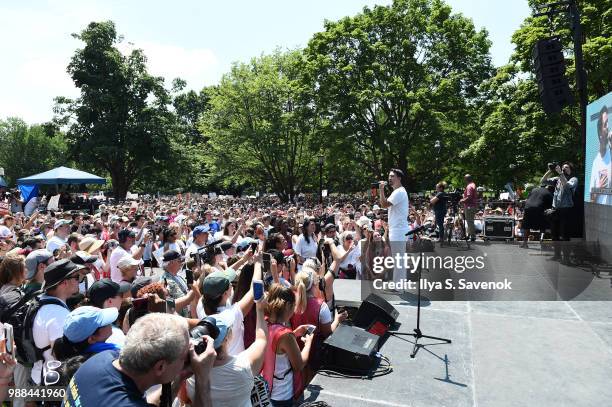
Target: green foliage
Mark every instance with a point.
(28, 150)
(120, 123)
(262, 127)
(394, 79)
(515, 130)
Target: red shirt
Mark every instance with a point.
(472, 196)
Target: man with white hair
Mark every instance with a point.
(157, 350)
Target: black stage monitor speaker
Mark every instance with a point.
(350, 349)
(375, 309)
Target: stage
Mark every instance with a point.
(504, 353)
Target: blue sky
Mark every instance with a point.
(195, 40)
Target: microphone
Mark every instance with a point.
(419, 229)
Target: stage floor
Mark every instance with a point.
(504, 353)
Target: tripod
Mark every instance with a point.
(457, 215)
(417, 331)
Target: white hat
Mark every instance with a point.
(5, 233)
(363, 220)
(60, 223)
(127, 261)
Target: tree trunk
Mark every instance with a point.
(120, 186)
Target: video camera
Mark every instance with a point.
(205, 253)
(553, 165)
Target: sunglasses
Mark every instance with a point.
(79, 278)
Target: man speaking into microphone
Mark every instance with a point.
(397, 204)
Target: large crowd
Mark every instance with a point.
(156, 301)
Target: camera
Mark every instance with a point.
(208, 326)
(553, 165)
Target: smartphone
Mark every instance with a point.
(310, 329)
(189, 276)
(140, 303)
(258, 290)
(170, 306)
(267, 259)
(9, 338)
(254, 246)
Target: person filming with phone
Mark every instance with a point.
(397, 204)
(561, 216)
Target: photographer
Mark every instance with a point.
(438, 203)
(563, 203)
(231, 378)
(155, 352)
(178, 290)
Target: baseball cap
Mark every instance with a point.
(58, 271)
(139, 283)
(244, 243)
(127, 261)
(34, 259)
(172, 255)
(226, 246)
(83, 322)
(200, 229)
(104, 289)
(61, 222)
(124, 234)
(216, 283)
(223, 327)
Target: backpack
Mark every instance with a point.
(21, 316)
(11, 300)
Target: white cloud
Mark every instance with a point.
(38, 47)
(198, 66)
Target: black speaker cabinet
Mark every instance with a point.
(375, 309)
(350, 349)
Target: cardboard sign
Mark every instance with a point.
(53, 203)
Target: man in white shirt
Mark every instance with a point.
(200, 239)
(601, 176)
(127, 238)
(60, 236)
(61, 282)
(397, 204)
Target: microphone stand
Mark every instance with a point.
(418, 334)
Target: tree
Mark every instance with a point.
(515, 129)
(261, 126)
(393, 79)
(27, 150)
(184, 166)
(120, 123)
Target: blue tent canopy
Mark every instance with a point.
(60, 176)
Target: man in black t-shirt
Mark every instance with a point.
(155, 351)
(439, 208)
(537, 202)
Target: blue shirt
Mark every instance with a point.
(97, 381)
(564, 195)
